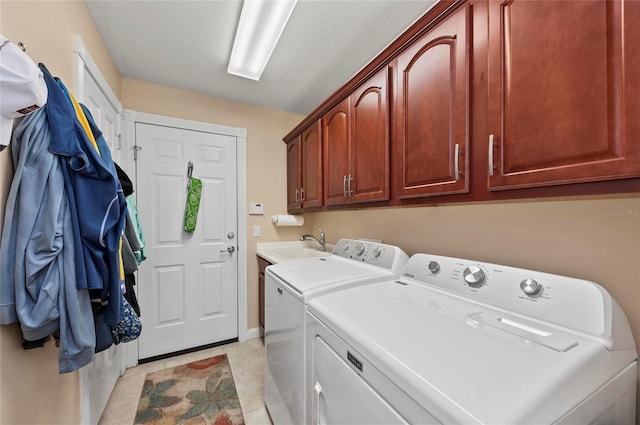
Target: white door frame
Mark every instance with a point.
(84, 66)
(128, 147)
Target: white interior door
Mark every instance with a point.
(99, 378)
(188, 286)
(107, 118)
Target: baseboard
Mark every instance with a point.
(254, 333)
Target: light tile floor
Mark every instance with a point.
(247, 362)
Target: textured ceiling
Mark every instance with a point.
(186, 44)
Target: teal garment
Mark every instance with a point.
(193, 204)
(141, 253)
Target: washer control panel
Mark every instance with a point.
(374, 253)
(563, 300)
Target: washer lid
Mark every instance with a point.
(318, 273)
(446, 353)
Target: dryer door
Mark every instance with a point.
(341, 396)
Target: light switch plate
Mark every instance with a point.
(256, 230)
(256, 208)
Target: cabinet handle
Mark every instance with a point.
(456, 162)
(349, 185)
(297, 196)
(302, 194)
(491, 154)
(344, 185)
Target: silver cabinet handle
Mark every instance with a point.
(491, 154)
(344, 185)
(349, 192)
(302, 194)
(456, 162)
(297, 196)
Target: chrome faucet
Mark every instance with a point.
(320, 241)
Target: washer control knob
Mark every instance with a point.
(434, 267)
(377, 252)
(360, 248)
(531, 287)
(474, 276)
(346, 247)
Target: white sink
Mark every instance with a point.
(284, 254)
(291, 253)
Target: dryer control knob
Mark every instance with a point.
(434, 267)
(360, 248)
(346, 247)
(531, 287)
(377, 252)
(474, 276)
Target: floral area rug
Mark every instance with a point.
(196, 393)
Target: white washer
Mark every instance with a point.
(288, 288)
(458, 341)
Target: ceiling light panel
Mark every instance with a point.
(259, 29)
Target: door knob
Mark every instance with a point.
(230, 249)
(231, 235)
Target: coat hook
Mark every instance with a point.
(189, 174)
(22, 46)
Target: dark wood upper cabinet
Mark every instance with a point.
(356, 145)
(311, 192)
(335, 131)
(482, 101)
(369, 176)
(304, 170)
(432, 112)
(564, 102)
(294, 175)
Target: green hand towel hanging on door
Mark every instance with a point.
(193, 203)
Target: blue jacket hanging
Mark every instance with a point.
(95, 193)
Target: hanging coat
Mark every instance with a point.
(95, 193)
(37, 252)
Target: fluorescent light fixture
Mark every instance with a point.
(260, 27)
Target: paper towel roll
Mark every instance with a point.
(287, 220)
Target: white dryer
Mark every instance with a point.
(458, 341)
(289, 286)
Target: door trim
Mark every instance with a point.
(133, 117)
(85, 65)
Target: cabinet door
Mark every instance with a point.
(433, 111)
(262, 265)
(312, 166)
(294, 177)
(369, 159)
(335, 132)
(563, 92)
